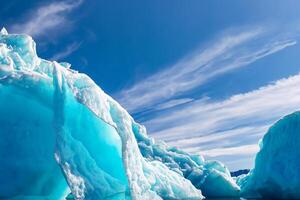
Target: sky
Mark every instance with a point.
(207, 76)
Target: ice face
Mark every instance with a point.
(276, 173)
(60, 132)
(88, 149)
(26, 148)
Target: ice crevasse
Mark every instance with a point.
(61, 133)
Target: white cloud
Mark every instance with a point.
(204, 142)
(224, 55)
(172, 103)
(214, 128)
(45, 18)
(241, 150)
(68, 51)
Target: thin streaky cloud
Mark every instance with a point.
(240, 150)
(266, 103)
(204, 142)
(45, 18)
(172, 103)
(226, 54)
(67, 52)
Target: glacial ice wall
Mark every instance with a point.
(60, 132)
(276, 174)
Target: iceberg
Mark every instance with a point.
(276, 173)
(61, 133)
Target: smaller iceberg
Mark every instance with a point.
(276, 174)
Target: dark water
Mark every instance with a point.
(70, 197)
(236, 198)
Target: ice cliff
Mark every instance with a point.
(61, 133)
(276, 174)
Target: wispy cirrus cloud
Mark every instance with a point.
(240, 150)
(231, 127)
(46, 18)
(225, 54)
(67, 51)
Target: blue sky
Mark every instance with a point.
(207, 76)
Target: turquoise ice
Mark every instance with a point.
(276, 173)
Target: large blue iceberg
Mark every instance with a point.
(276, 174)
(61, 133)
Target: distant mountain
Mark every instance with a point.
(239, 172)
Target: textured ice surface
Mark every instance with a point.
(276, 173)
(61, 132)
(211, 177)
